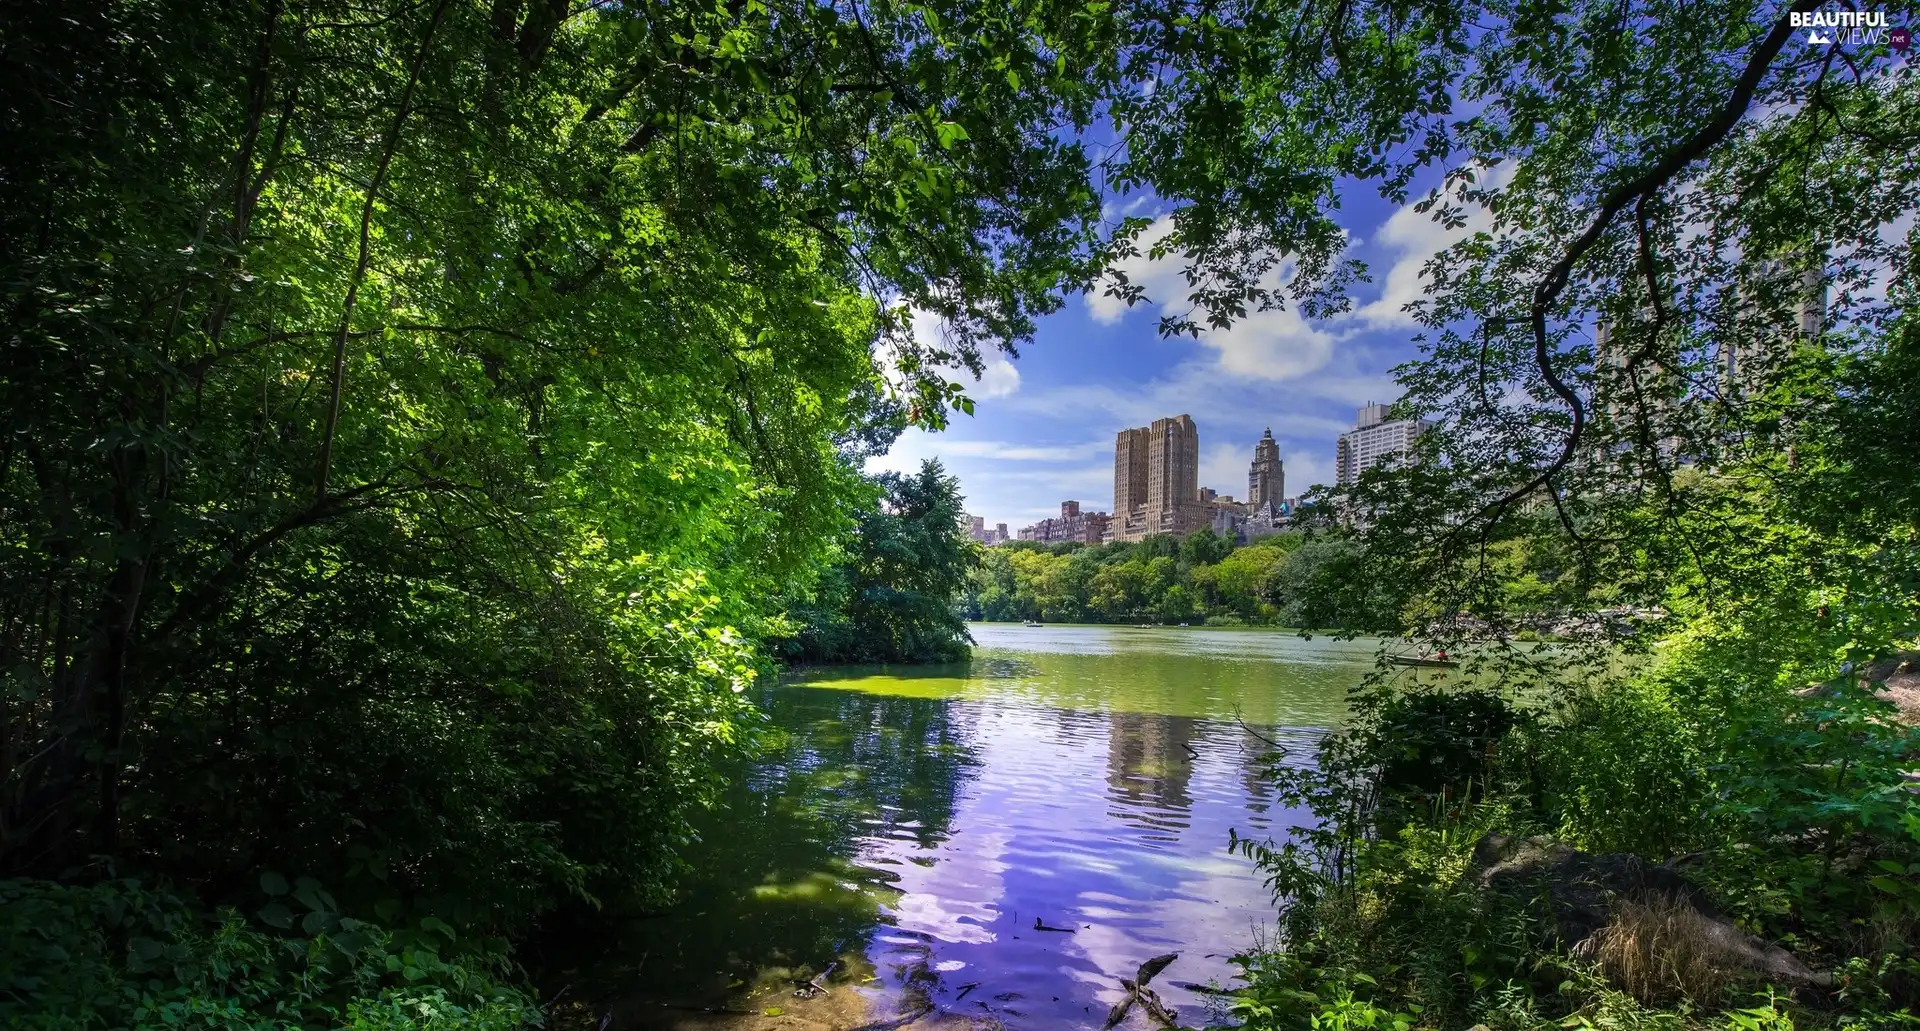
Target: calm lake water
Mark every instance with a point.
(910, 824)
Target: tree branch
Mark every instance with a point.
(360, 266)
(1547, 293)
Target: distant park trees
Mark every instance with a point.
(1284, 580)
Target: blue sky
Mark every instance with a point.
(1043, 426)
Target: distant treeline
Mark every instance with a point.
(1290, 579)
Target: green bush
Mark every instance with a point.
(116, 955)
(1787, 806)
(1623, 771)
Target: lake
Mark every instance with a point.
(911, 824)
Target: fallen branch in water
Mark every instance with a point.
(1151, 1003)
(1205, 989)
(1271, 743)
(965, 988)
(814, 985)
(1138, 992)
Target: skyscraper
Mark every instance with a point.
(1129, 471)
(1374, 439)
(1156, 480)
(1173, 463)
(1743, 361)
(1267, 480)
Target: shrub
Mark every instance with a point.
(118, 955)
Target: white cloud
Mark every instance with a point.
(1224, 468)
(1161, 278)
(1305, 469)
(1221, 398)
(1268, 345)
(906, 454)
(1413, 238)
(1018, 484)
(1024, 452)
(1025, 497)
(998, 377)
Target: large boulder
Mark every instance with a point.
(1895, 678)
(1588, 896)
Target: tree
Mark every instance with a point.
(1240, 577)
(1176, 605)
(1321, 584)
(1204, 547)
(895, 598)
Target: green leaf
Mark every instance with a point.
(277, 915)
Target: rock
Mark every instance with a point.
(1894, 677)
(1583, 891)
(1899, 677)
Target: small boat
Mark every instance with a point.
(1033, 622)
(1416, 660)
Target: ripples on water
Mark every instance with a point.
(913, 824)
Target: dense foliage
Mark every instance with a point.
(116, 955)
(408, 411)
(1291, 580)
(413, 416)
(1678, 414)
(416, 413)
(894, 597)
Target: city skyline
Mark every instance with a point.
(1156, 490)
(1144, 461)
(1044, 423)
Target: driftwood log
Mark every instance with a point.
(816, 985)
(1139, 993)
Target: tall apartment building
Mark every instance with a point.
(1267, 479)
(1374, 439)
(1743, 362)
(1129, 471)
(1156, 480)
(1072, 525)
(975, 527)
(1650, 393)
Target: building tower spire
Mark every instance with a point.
(1266, 480)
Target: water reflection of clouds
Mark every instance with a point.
(1048, 783)
(1067, 821)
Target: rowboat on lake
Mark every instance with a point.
(1418, 660)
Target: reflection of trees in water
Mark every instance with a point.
(1149, 765)
(879, 765)
(773, 880)
(1297, 745)
(1002, 667)
(1256, 777)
